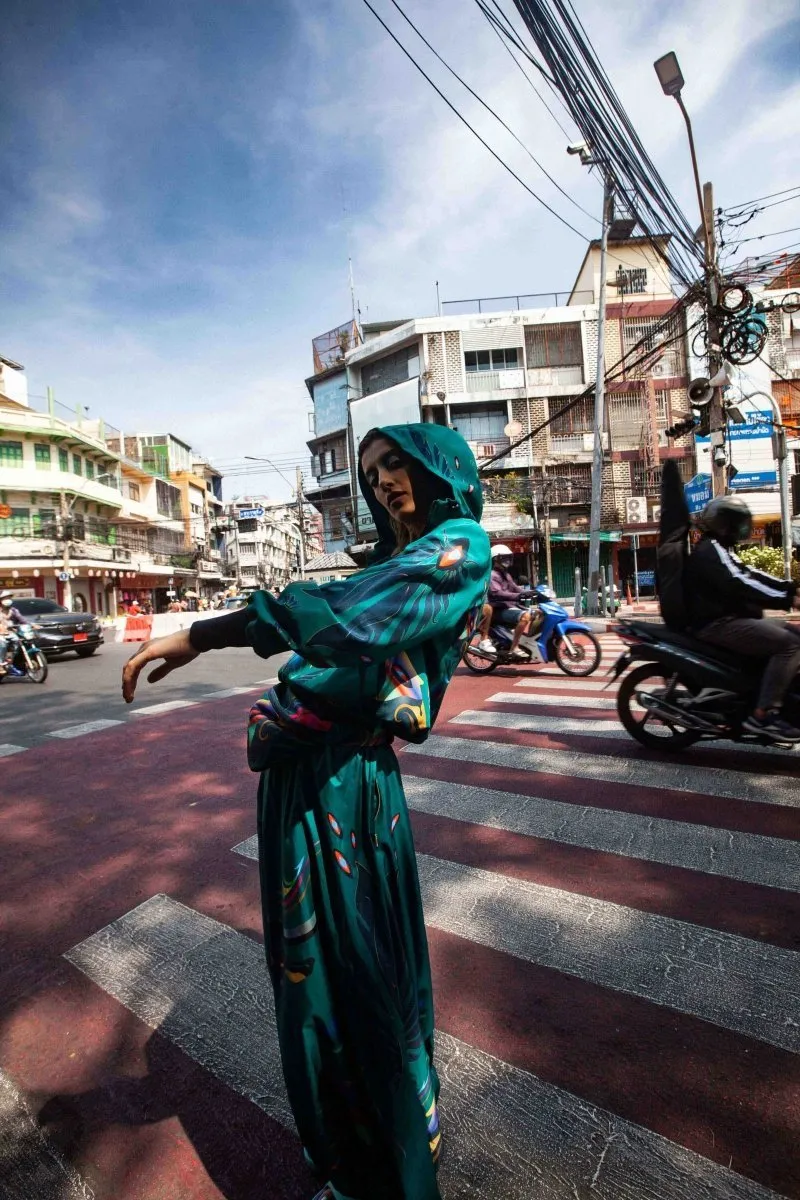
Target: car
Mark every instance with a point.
(234, 602)
(59, 630)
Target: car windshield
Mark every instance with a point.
(236, 601)
(32, 606)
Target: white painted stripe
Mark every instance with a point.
(748, 987)
(7, 749)
(266, 682)
(680, 777)
(153, 710)
(226, 692)
(71, 731)
(749, 857)
(595, 683)
(31, 1164)
(507, 1131)
(542, 697)
(600, 727)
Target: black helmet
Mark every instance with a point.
(728, 519)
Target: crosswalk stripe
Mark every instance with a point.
(226, 692)
(681, 777)
(504, 1127)
(154, 710)
(665, 961)
(578, 685)
(600, 727)
(8, 748)
(558, 699)
(31, 1166)
(750, 858)
(71, 731)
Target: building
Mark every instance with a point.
(264, 541)
(497, 371)
(90, 517)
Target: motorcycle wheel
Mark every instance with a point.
(583, 658)
(37, 673)
(476, 662)
(638, 720)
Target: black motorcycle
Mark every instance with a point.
(686, 690)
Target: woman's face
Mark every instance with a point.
(396, 481)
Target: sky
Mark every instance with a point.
(184, 185)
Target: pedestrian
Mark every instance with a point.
(343, 924)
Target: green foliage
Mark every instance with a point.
(764, 558)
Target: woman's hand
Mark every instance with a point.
(175, 649)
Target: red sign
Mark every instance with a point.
(5, 512)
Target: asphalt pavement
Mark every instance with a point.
(80, 691)
(613, 937)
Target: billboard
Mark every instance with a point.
(330, 405)
(396, 405)
(750, 450)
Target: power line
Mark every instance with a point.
(760, 236)
(758, 199)
(473, 131)
(489, 109)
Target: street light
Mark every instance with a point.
(671, 79)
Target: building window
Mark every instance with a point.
(554, 345)
(168, 500)
(577, 420)
(631, 281)
(17, 525)
(44, 523)
(646, 335)
(386, 372)
(492, 360)
(89, 469)
(10, 454)
(133, 491)
(41, 456)
(248, 525)
(76, 465)
(248, 572)
(63, 460)
(478, 423)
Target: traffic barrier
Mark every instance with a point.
(138, 628)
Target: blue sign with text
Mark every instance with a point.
(698, 492)
(247, 514)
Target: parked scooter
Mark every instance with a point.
(686, 690)
(23, 656)
(571, 644)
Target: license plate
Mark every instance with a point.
(80, 637)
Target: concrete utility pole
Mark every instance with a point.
(301, 523)
(716, 417)
(596, 510)
(66, 583)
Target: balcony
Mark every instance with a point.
(793, 362)
(489, 448)
(555, 376)
(494, 381)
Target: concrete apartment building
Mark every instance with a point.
(90, 517)
(264, 541)
(497, 369)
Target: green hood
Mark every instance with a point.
(445, 454)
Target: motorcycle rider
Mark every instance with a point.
(9, 617)
(503, 607)
(726, 601)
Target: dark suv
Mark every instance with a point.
(58, 629)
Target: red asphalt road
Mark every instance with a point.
(92, 827)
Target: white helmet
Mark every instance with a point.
(501, 552)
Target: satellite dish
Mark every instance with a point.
(513, 429)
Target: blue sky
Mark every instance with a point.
(183, 184)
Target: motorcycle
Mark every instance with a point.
(686, 690)
(571, 644)
(23, 656)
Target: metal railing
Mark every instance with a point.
(483, 304)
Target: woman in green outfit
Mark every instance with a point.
(343, 924)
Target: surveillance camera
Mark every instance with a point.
(719, 456)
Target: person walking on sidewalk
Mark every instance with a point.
(343, 924)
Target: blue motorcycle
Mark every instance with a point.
(557, 638)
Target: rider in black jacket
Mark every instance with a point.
(726, 601)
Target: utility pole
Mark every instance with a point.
(301, 523)
(716, 417)
(599, 412)
(65, 533)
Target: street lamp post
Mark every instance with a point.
(671, 79)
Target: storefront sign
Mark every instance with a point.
(247, 514)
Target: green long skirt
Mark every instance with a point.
(348, 958)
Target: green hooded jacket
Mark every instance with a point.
(378, 649)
